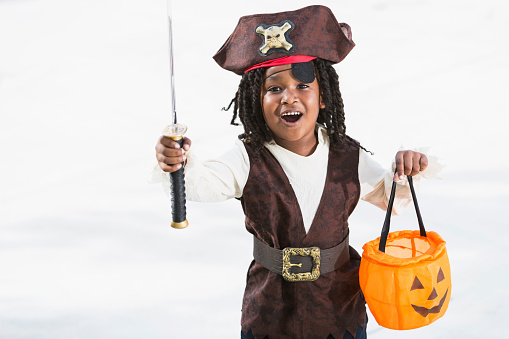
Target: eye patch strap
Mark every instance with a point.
(284, 70)
(387, 222)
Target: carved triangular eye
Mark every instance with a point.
(416, 284)
(440, 275)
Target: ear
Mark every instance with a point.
(322, 104)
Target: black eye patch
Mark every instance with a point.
(304, 71)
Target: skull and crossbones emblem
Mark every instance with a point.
(275, 36)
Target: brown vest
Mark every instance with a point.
(332, 304)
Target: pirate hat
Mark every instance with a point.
(264, 40)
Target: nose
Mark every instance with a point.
(433, 294)
(289, 96)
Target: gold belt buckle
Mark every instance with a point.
(313, 252)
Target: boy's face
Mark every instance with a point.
(290, 108)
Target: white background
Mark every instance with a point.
(86, 250)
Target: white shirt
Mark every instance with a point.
(225, 177)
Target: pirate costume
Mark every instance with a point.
(303, 282)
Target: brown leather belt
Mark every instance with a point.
(308, 263)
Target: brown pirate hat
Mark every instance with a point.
(309, 31)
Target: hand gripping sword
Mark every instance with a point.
(176, 131)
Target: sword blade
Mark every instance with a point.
(172, 74)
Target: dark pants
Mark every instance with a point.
(361, 333)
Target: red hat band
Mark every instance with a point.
(282, 61)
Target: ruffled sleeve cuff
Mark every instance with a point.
(212, 180)
(380, 190)
(163, 178)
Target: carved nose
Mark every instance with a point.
(433, 294)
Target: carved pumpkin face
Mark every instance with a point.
(409, 291)
(435, 308)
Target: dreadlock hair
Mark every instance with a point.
(247, 107)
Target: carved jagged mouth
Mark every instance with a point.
(435, 309)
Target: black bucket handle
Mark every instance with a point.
(387, 222)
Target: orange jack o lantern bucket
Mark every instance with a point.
(405, 276)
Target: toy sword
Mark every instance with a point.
(176, 131)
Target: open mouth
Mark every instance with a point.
(291, 117)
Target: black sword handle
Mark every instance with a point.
(178, 193)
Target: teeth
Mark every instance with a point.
(290, 113)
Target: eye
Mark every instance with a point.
(301, 86)
(417, 285)
(273, 89)
(277, 36)
(440, 275)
